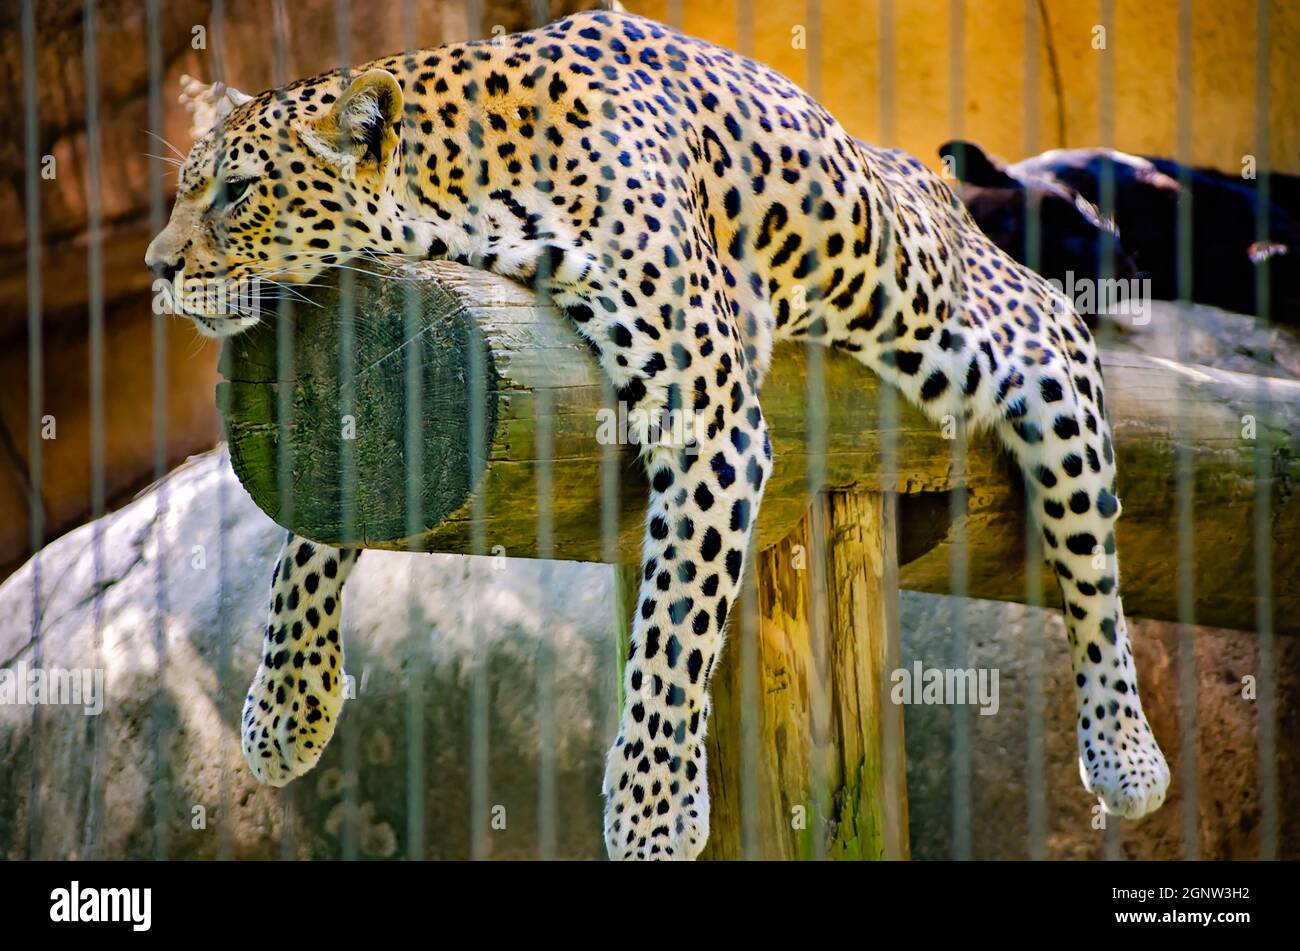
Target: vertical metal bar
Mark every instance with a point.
(229, 704)
(1106, 139)
(815, 406)
(887, 66)
(225, 843)
(35, 396)
(1106, 246)
(893, 753)
(480, 708)
(611, 698)
(284, 370)
(1035, 633)
(610, 498)
(1183, 463)
(545, 443)
(957, 502)
(751, 709)
(546, 744)
(1106, 249)
(157, 216)
(95, 281)
(750, 633)
(350, 833)
(1263, 548)
(225, 829)
(160, 720)
(417, 624)
(675, 13)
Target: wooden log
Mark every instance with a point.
(330, 461)
(805, 750)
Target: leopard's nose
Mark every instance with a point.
(159, 263)
(161, 266)
(165, 270)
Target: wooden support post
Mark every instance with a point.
(805, 749)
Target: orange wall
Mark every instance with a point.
(1142, 50)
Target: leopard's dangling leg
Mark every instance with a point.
(294, 701)
(703, 508)
(1004, 348)
(1052, 417)
(707, 466)
(1049, 412)
(1069, 466)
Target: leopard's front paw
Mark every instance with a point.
(1124, 768)
(297, 694)
(289, 716)
(656, 801)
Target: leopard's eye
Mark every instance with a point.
(233, 190)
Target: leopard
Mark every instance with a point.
(686, 207)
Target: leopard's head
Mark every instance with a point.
(282, 187)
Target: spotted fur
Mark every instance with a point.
(687, 207)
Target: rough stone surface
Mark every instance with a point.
(170, 604)
(1225, 738)
(1198, 334)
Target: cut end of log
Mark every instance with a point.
(350, 418)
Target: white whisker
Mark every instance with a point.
(164, 158)
(179, 153)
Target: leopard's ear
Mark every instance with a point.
(362, 130)
(208, 103)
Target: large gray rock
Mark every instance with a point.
(1198, 334)
(167, 598)
(1225, 756)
